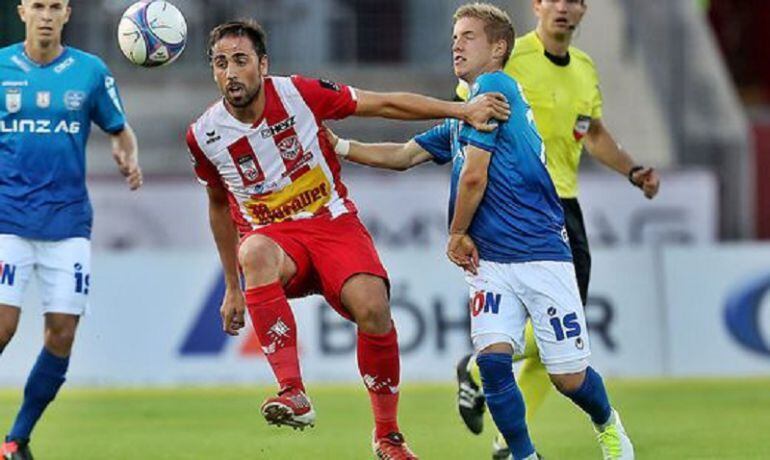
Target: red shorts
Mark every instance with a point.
(327, 253)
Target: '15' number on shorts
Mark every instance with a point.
(567, 327)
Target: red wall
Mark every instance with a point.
(762, 166)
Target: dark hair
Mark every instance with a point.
(243, 28)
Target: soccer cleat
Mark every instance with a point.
(291, 407)
(470, 398)
(392, 447)
(615, 443)
(16, 450)
(500, 450)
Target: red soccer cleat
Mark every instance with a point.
(392, 447)
(291, 407)
(15, 450)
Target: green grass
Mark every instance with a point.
(681, 419)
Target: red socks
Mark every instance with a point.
(274, 324)
(378, 362)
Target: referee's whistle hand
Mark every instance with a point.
(648, 180)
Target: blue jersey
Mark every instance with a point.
(45, 119)
(520, 218)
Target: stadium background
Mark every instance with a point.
(679, 284)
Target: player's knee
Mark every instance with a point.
(59, 339)
(568, 383)
(6, 334)
(372, 315)
(259, 253)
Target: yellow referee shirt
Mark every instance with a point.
(564, 99)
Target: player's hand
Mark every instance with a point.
(481, 111)
(125, 154)
(233, 312)
(462, 251)
(333, 138)
(648, 180)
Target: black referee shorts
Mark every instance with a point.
(578, 241)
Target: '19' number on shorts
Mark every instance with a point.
(568, 324)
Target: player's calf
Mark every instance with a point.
(505, 402)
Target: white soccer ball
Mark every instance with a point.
(152, 33)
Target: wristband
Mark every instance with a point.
(342, 148)
(631, 173)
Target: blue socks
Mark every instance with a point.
(44, 381)
(505, 402)
(592, 398)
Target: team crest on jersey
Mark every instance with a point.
(290, 148)
(12, 100)
(43, 99)
(249, 168)
(582, 125)
(73, 100)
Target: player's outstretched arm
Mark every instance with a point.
(125, 151)
(470, 190)
(602, 146)
(398, 157)
(409, 106)
(226, 237)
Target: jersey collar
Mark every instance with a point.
(32, 62)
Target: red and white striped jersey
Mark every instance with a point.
(282, 167)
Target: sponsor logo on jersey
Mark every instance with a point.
(278, 128)
(485, 302)
(20, 62)
(7, 273)
(307, 195)
(65, 64)
(112, 90)
(328, 84)
(290, 148)
(212, 136)
(12, 100)
(582, 124)
(14, 83)
(39, 127)
(43, 99)
(73, 100)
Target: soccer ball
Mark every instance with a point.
(152, 33)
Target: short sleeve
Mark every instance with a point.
(462, 91)
(328, 100)
(107, 107)
(470, 135)
(205, 170)
(597, 102)
(438, 142)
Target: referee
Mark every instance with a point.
(562, 86)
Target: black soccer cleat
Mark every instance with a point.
(470, 398)
(15, 449)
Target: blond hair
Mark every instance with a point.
(497, 24)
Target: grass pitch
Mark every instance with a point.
(672, 419)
